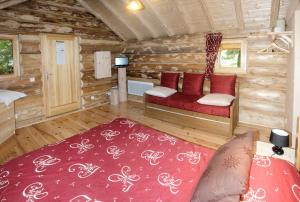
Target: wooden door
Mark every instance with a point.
(61, 74)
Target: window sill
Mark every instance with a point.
(230, 71)
(8, 77)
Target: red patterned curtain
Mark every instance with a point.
(213, 42)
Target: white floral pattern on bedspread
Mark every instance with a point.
(272, 180)
(120, 161)
(126, 161)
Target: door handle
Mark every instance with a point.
(47, 76)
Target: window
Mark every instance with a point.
(9, 59)
(232, 57)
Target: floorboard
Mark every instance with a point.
(33, 137)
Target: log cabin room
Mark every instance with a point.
(149, 100)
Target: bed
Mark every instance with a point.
(126, 161)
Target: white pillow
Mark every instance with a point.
(161, 91)
(216, 99)
(8, 96)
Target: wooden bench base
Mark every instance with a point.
(214, 124)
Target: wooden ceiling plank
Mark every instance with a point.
(208, 16)
(274, 12)
(139, 30)
(239, 14)
(9, 3)
(149, 5)
(99, 10)
(148, 22)
(184, 20)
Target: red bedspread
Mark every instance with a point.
(125, 161)
(272, 180)
(121, 161)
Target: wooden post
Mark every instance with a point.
(122, 84)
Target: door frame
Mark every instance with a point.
(43, 39)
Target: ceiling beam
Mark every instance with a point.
(239, 14)
(208, 16)
(99, 10)
(274, 12)
(9, 3)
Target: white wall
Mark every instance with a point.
(293, 99)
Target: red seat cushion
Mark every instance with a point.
(157, 100)
(179, 100)
(189, 102)
(169, 79)
(223, 84)
(208, 109)
(193, 84)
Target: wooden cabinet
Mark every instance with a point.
(7, 121)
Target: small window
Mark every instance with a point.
(9, 63)
(232, 57)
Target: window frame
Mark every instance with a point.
(243, 68)
(16, 59)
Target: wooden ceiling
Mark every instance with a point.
(172, 17)
(175, 17)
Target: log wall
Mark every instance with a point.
(262, 88)
(30, 19)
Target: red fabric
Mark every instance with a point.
(272, 180)
(189, 102)
(157, 100)
(119, 161)
(169, 79)
(126, 161)
(213, 42)
(193, 84)
(222, 84)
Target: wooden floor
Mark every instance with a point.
(35, 136)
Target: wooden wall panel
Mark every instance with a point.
(28, 20)
(94, 91)
(262, 88)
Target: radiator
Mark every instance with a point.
(138, 87)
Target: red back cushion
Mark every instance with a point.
(193, 84)
(223, 84)
(169, 79)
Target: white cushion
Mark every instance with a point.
(8, 96)
(161, 91)
(216, 99)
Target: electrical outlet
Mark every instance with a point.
(32, 79)
(93, 97)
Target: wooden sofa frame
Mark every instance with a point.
(214, 124)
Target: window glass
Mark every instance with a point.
(230, 58)
(6, 57)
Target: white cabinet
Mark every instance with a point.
(102, 62)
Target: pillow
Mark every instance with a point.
(8, 96)
(223, 84)
(193, 84)
(228, 171)
(169, 80)
(161, 91)
(216, 99)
